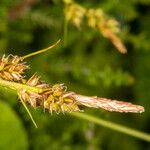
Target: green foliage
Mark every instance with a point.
(12, 130)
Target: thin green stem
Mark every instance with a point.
(65, 31)
(29, 113)
(114, 126)
(17, 86)
(40, 51)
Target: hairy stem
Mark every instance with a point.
(114, 126)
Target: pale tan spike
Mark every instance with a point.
(108, 104)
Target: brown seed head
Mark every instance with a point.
(12, 68)
(108, 104)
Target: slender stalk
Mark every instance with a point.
(114, 126)
(16, 86)
(28, 111)
(40, 51)
(65, 31)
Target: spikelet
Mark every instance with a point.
(57, 99)
(12, 68)
(108, 27)
(96, 19)
(108, 104)
(74, 13)
(54, 99)
(32, 98)
(94, 16)
(106, 32)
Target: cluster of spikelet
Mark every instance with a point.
(96, 19)
(54, 98)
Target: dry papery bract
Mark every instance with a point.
(96, 19)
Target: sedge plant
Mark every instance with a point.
(56, 98)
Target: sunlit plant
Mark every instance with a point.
(55, 98)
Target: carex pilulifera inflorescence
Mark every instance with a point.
(97, 19)
(55, 98)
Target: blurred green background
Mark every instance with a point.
(89, 64)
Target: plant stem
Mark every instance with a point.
(17, 86)
(114, 126)
(40, 51)
(65, 31)
(28, 111)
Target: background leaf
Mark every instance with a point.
(12, 133)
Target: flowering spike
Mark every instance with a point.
(54, 98)
(108, 104)
(114, 39)
(57, 99)
(12, 68)
(96, 19)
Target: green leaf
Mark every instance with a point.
(12, 134)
